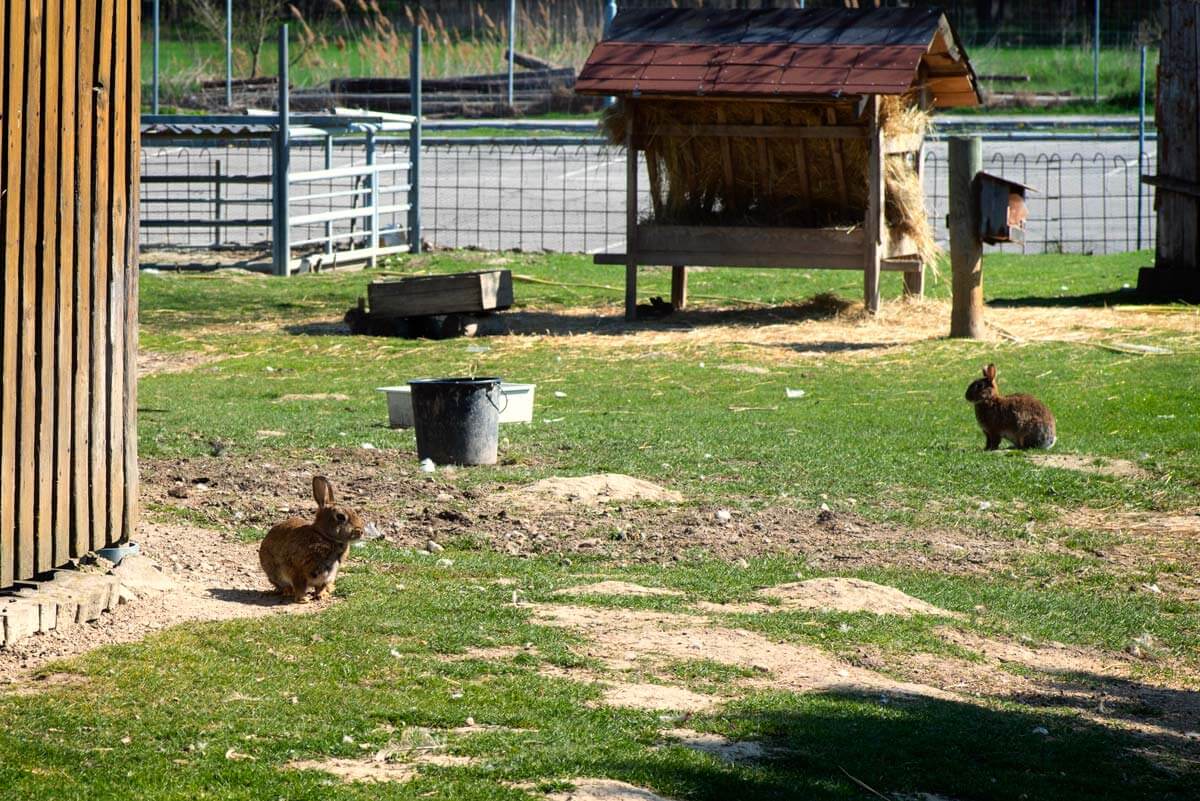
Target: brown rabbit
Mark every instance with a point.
(299, 556)
(1023, 420)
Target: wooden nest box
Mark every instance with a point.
(1002, 210)
(777, 138)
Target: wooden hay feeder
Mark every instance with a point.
(777, 138)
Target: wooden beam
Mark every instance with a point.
(84, 255)
(875, 224)
(14, 68)
(759, 131)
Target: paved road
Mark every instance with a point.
(572, 197)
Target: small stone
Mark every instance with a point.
(445, 563)
(433, 547)
(444, 497)
(742, 563)
(1042, 730)
(724, 515)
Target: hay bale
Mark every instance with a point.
(776, 182)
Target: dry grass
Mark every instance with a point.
(711, 181)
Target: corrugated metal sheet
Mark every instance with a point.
(785, 52)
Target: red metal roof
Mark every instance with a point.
(782, 53)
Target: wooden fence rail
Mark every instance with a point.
(68, 290)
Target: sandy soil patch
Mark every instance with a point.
(618, 588)
(1050, 657)
(597, 489)
(624, 639)
(315, 396)
(495, 653)
(715, 745)
(151, 362)
(605, 790)
(211, 577)
(1116, 468)
(851, 595)
(378, 770)
(653, 697)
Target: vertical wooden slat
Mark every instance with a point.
(835, 151)
(27, 456)
(12, 67)
(67, 267)
(100, 203)
(47, 307)
(81, 438)
(117, 272)
(631, 212)
(876, 225)
(133, 160)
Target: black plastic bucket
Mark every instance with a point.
(457, 420)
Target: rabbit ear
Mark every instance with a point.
(322, 491)
(989, 372)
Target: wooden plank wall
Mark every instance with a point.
(1176, 116)
(68, 291)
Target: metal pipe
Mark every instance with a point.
(610, 13)
(217, 203)
(512, 46)
(373, 197)
(228, 53)
(1096, 55)
(283, 250)
(414, 144)
(329, 165)
(154, 58)
(1141, 142)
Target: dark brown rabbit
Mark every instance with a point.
(299, 556)
(1023, 420)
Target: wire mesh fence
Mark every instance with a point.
(565, 195)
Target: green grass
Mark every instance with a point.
(217, 710)
(1070, 69)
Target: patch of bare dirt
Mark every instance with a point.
(851, 595)
(617, 588)
(211, 577)
(715, 745)
(371, 769)
(605, 790)
(624, 639)
(1116, 468)
(596, 489)
(151, 362)
(313, 396)
(410, 508)
(653, 697)
(1052, 657)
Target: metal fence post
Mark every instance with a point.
(279, 219)
(1141, 142)
(229, 53)
(373, 198)
(610, 12)
(329, 166)
(414, 145)
(1096, 55)
(512, 46)
(217, 203)
(154, 58)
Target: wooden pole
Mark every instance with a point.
(631, 212)
(875, 222)
(678, 286)
(966, 249)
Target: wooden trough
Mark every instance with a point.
(670, 67)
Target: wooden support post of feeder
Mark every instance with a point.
(876, 225)
(631, 215)
(678, 286)
(966, 247)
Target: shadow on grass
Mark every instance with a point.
(1120, 297)
(612, 322)
(820, 744)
